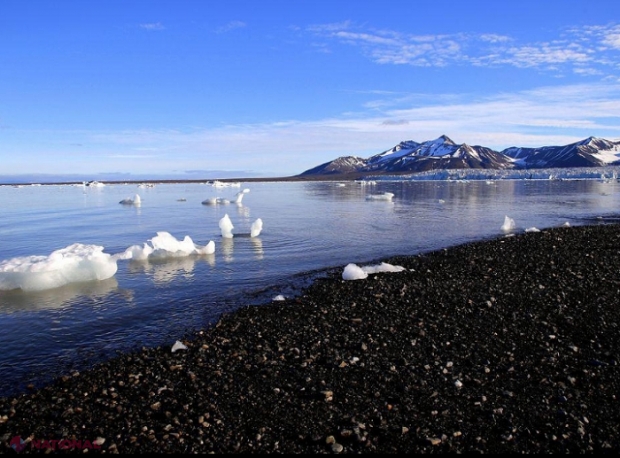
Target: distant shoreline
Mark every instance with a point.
(295, 178)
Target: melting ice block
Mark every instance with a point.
(509, 224)
(226, 226)
(73, 264)
(165, 245)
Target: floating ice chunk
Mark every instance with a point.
(165, 245)
(178, 346)
(73, 264)
(226, 226)
(509, 224)
(239, 195)
(137, 252)
(137, 201)
(383, 196)
(279, 297)
(257, 227)
(532, 229)
(209, 248)
(210, 201)
(566, 224)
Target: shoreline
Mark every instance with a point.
(498, 346)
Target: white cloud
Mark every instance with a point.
(152, 26)
(232, 25)
(594, 47)
(565, 114)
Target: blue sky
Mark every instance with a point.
(200, 89)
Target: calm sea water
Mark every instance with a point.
(307, 227)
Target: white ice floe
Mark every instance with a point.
(73, 264)
(279, 297)
(532, 229)
(355, 272)
(509, 224)
(165, 245)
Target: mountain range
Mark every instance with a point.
(442, 153)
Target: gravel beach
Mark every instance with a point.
(509, 345)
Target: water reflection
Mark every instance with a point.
(227, 246)
(166, 270)
(257, 243)
(86, 292)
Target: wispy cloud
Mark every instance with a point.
(152, 26)
(232, 25)
(592, 50)
(565, 114)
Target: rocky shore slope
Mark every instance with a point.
(502, 346)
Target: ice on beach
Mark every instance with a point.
(73, 264)
(226, 227)
(279, 297)
(178, 346)
(532, 229)
(165, 245)
(354, 272)
(509, 224)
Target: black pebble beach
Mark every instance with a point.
(509, 345)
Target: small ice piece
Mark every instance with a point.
(210, 201)
(226, 226)
(383, 267)
(384, 196)
(279, 297)
(178, 346)
(137, 201)
(209, 248)
(532, 229)
(509, 224)
(239, 195)
(257, 227)
(566, 224)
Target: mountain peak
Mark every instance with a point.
(411, 157)
(444, 139)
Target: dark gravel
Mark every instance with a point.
(503, 346)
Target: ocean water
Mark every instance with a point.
(307, 227)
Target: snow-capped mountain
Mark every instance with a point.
(442, 153)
